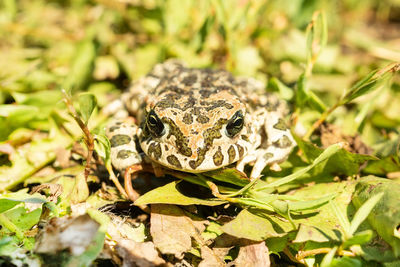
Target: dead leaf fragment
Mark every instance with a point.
(172, 230)
(55, 190)
(253, 255)
(62, 157)
(213, 257)
(331, 134)
(138, 254)
(72, 233)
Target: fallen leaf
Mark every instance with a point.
(62, 157)
(71, 233)
(212, 257)
(331, 134)
(215, 256)
(55, 190)
(138, 254)
(172, 229)
(253, 255)
(250, 226)
(385, 216)
(169, 194)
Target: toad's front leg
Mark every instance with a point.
(273, 145)
(124, 153)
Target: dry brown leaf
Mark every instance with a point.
(221, 247)
(172, 230)
(72, 233)
(213, 257)
(138, 254)
(126, 247)
(331, 134)
(55, 190)
(63, 157)
(253, 255)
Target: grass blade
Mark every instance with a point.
(324, 156)
(363, 212)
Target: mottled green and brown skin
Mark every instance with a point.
(196, 120)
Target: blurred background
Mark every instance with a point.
(100, 46)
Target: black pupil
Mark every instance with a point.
(238, 122)
(152, 120)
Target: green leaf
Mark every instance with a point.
(317, 36)
(301, 91)
(383, 166)
(304, 96)
(254, 227)
(385, 216)
(41, 150)
(324, 156)
(170, 194)
(363, 212)
(343, 220)
(370, 82)
(6, 204)
(81, 67)
(44, 100)
(358, 239)
(322, 225)
(278, 244)
(377, 250)
(310, 204)
(17, 221)
(312, 233)
(345, 262)
(315, 102)
(327, 260)
(87, 103)
(80, 191)
(102, 146)
(22, 218)
(15, 116)
(229, 175)
(285, 92)
(343, 162)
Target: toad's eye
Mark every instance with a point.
(154, 124)
(235, 124)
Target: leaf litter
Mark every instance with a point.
(334, 201)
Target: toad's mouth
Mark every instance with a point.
(204, 159)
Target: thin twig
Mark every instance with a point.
(303, 254)
(116, 182)
(88, 137)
